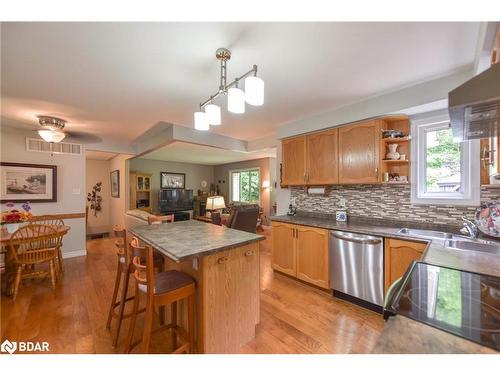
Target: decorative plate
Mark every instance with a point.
(488, 219)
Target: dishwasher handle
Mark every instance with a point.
(359, 239)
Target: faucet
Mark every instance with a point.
(469, 228)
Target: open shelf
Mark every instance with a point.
(390, 166)
(396, 140)
(395, 161)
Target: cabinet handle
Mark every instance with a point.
(248, 253)
(222, 260)
(376, 173)
(305, 176)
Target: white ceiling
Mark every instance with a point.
(199, 154)
(99, 155)
(119, 79)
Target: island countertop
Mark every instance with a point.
(184, 240)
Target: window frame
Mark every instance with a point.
(231, 184)
(469, 194)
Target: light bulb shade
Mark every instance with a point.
(51, 135)
(215, 203)
(213, 114)
(201, 121)
(254, 90)
(235, 100)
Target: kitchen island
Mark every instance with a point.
(225, 264)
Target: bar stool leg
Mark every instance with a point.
(191, 319)
(173, 314)
(132, 321)
(123, 300)
(17, 281)
(52, 266)
(148, 325)
(115, 294)
(161, 312)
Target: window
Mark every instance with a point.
(245, 186)
(446, 171)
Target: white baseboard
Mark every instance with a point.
(72, 254)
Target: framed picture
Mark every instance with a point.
(169, 180)
(28, 182)
(115, 184)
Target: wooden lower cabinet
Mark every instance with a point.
(399, 254)
(284, 258)
(312, 255)
(302, 252)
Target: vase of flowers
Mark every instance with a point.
(13, 219)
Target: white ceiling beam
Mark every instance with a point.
(484, 47)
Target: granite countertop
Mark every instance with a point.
(436, 253)
(401, 334)
(184, 240)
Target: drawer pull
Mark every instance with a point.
(222, 260)
(248, 253)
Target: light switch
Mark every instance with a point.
(76, 191)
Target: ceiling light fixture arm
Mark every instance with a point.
(223, 86)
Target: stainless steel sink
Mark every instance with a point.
(485, 247)
(430, 234)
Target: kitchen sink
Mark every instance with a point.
(485, 247)
(430, 234)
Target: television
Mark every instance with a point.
(172, 200)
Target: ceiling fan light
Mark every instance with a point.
(201, 121)
(254, 90)
(51, 135)
(235, 100)
(213, 114)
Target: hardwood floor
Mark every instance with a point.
(295, 318)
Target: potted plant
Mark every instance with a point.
(13, 218)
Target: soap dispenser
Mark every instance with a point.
(341, 213)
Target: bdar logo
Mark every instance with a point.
(8, 347)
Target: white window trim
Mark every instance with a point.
(230, 179)
(470, 168)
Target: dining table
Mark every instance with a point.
(5, 250)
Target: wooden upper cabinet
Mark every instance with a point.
(312, 255)
(322, 158)
(399, 255)
(294, 161)
(284, 248)
(359, 146)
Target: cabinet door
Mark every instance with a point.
(294, 161)
(322, 158)
(220, 312)
(359, 160)
(312, 255)
(398, 257)
(284, 248)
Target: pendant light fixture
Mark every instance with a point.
(210, 113)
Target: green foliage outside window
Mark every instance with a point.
(443, 157)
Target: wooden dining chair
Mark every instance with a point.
(52, 220)
(164, 288)
(157, 219)
(123, 271)
(30, 245)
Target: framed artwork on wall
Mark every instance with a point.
(169, 180)
(22, 182)
(115, 183)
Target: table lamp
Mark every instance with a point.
(215, 203)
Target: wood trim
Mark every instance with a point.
(76, 215)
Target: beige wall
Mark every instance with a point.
(70, 184)
(221, 175)
(98, 171)
(120, 205)
(195, 173)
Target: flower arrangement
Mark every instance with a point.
(14, 216)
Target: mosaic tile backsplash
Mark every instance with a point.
(386, 202)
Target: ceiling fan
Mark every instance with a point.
(52, 131)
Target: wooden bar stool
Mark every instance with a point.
(123, 272)
(164, 288)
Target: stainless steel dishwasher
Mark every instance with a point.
(357, 268)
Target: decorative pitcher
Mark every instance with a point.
(393, 153)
